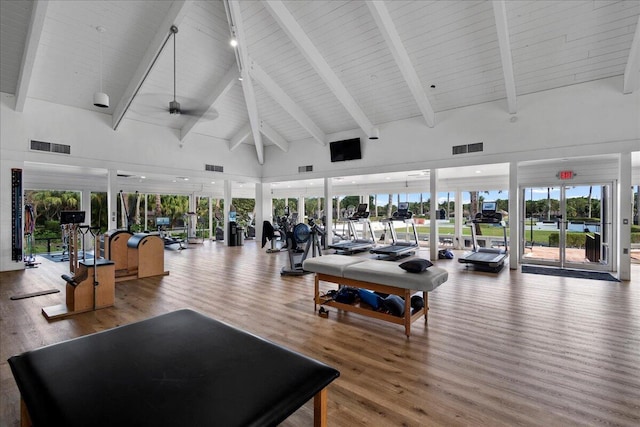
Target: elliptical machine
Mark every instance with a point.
(303, 234)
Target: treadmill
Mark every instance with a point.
(487, 259)
(397, 248)
(356, 244)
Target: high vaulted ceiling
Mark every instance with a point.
(309, 69)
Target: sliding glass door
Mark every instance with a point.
(568, 226)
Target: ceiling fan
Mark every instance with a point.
(151, 101)
(174, 106)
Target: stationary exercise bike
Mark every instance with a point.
(309, 236)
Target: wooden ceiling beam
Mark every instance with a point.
(237, 30)
(36, 23)
(288, 104)
(240, 137)
(299, 38)
(274, 136)
(500, 14)
(632, 69)
(176, 14)
(230, 78)
(388, 30)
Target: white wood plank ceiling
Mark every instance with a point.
(311, 68)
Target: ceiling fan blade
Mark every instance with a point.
(205, 113)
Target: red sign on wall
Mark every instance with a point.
(566, 175)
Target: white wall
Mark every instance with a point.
(134, 146)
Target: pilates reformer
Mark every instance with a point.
(92, 286)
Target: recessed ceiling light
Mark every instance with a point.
(213, 182)
(143, 177)
(388, 177)
(233, 42)
(478, 171)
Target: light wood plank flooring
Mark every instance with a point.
(505, 349)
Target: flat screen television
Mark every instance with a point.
(72, 217)
(347, 149)
(488, 207)
(162, 221)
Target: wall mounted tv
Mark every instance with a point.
(347, 149)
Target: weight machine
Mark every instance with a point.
(303, 234)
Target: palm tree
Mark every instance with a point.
(375, 204)
(136, 218)
(158, 209)
(473, 210)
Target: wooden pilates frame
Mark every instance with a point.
(406, 320)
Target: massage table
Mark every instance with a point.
(378, 276)
(177, 369)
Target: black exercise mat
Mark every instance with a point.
(563, 272)
(35, 294)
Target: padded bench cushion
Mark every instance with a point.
(333, 265)
(390, 273)
(177, 369)
(376, 271)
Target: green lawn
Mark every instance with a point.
(540, 237)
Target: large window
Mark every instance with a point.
(46, 206)
(487, 234)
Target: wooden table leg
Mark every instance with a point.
(407, 312)
(320, 408)
(426, 305)
(25, 419)
(316, 297)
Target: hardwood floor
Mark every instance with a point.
(499, 349)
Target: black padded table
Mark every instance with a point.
(177, 369)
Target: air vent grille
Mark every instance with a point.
(214, 168)
(50, 147)
(308, 168)
(475, 148)
(468, 148)
(459, 149)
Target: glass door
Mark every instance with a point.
(568, 226)
(541, 225)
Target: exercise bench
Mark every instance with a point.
(177, 369)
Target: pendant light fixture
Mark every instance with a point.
(101, 99)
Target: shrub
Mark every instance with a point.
(574, 240)
(52, 226)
